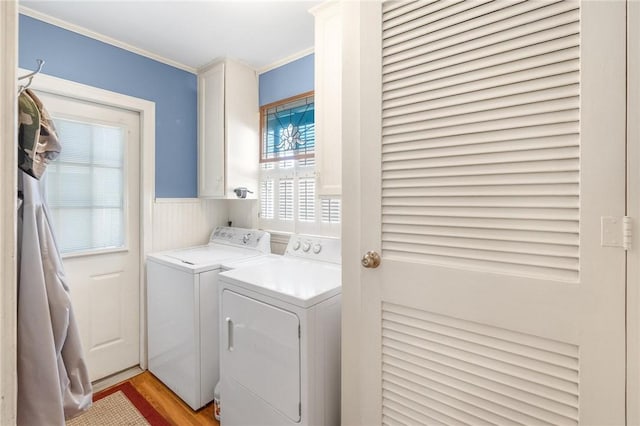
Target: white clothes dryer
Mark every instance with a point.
(182, 310)
(280, 337)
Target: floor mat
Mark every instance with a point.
(117, 406)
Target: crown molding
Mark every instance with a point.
(103, 38)
(286, 60)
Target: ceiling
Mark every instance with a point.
(193, 33)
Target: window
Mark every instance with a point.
(288, 199)
(85, 187)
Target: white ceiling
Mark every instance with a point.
(193, 33)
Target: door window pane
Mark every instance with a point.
(85, 187)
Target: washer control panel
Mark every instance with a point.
(242, 237)
(314, 248)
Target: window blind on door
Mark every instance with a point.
(85, 187)
(480, 135)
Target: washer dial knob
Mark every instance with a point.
(317, 248)
(306, 247)
(296, 245)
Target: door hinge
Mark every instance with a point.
(616, 232)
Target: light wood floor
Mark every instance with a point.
(169, 405)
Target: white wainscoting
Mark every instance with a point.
(243, 213)
(185, 222)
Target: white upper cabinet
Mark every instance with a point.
(228, 142)
(328, 98)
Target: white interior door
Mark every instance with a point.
(93, 193)
(492, 142)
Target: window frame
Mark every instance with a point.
(296, 173)
(263, 108)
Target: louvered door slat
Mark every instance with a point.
(434, 44)
(479, 234)
(545, 136)
(471, 214)
(545, 78)
(397, 162)
(524, 122)
(400, 18)
(510, 15)
(521, 178)
(432, 361)
(412, 75)
(538, 90)
(421, 412)
(497, 49)
(465, 114)
(563, 136)
(444, 84)
(481, 122)
(396, 8)
(488, 201)
(395, 414)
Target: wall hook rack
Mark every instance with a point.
(30, 76)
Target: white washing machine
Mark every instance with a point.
(280, 337)
(182, 310)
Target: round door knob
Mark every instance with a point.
(371, 260)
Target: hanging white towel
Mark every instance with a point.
(53, 381)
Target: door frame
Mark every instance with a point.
(633, 210)
(8, 213)
(146, 109)
(357, 238)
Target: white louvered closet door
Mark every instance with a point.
(497, 145)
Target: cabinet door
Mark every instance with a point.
(328, 98)
(211, 149)
(242, 124)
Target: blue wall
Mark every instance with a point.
(85, 60)
(288, 80)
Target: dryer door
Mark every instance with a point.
(260, 350)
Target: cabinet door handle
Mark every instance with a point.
(229, 333)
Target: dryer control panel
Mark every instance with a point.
(314, 248)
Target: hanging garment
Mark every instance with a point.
(37, 139)
(53, 381)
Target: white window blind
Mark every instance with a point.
(306, 199)
(285, 195)
(85, 187)
(266, 194)
(291, 205)
(330, 210)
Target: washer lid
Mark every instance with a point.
(300, 282)
(198, 259)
